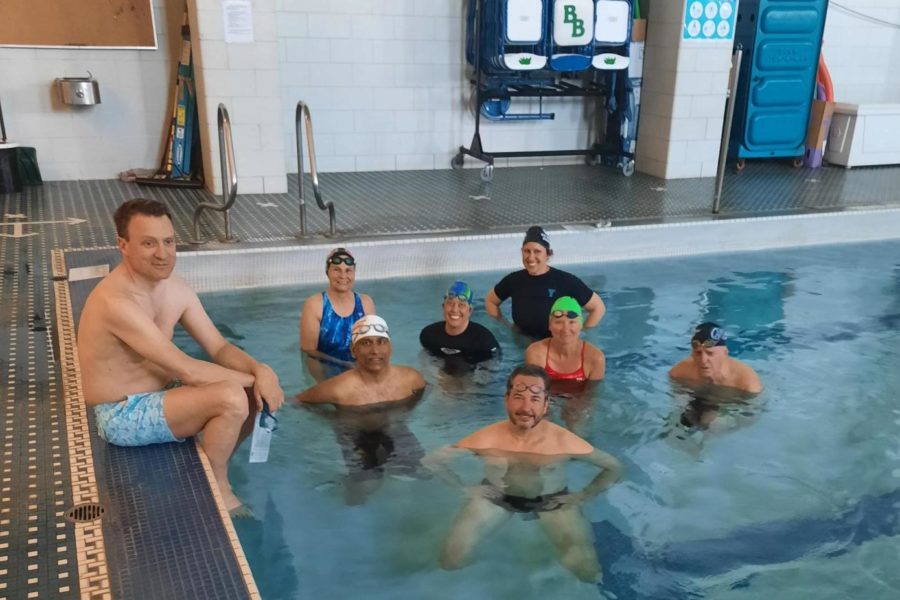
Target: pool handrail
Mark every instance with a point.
(302, 115)
(229, 181)
(733, 79)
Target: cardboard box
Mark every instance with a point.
(820, 114)
(638, 30)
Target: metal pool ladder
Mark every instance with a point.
(301, 115)
(229, 181)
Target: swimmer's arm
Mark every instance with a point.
(750, 381)
(438, 462)
(535, 353)
(130, 324)
(492, 307)
(310, 321)
(610, 473)
(368, 304)
(263, 380)
(680, 371)
(326, 391)
(596, 309)
(598, 366)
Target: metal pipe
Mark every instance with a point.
(726, 130)
(2, 126)
(302, 115)
(229, 181)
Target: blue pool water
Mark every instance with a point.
(796, 498)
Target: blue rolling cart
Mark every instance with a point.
(781, 40)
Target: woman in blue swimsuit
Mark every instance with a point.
(327, 318)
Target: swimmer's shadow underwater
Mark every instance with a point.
(668, 571)
(375, 443)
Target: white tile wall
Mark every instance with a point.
(125, 131)
(390, 75)
(862, 56)
(248, 83)
(683, 98)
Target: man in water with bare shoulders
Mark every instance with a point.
(374, 379)
(145, 390)
(525, 460)
(715, 378)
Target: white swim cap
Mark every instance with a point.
(369, 326)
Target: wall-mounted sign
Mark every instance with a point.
(709, 20)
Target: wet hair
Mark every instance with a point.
(528, 371)
(137, 206)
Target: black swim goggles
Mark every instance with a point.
(569, 314)
(524, 387)
(342, 258)
(266, 419)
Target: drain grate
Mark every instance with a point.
(85, 513)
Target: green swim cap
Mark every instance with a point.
(565, 306)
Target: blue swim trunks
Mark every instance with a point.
(137, 420)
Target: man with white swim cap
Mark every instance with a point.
(374, 379)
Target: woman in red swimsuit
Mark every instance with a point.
(564, 355)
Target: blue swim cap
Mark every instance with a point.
(461, 290)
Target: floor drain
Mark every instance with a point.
(85, 513)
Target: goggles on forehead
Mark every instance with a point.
(342, 258)
(364, 329)
(524, 387)
(461, 296)
(569, 314)
(710, 343)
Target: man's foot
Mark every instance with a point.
(235, 507)
(241, 511)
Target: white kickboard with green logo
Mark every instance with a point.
(573, 22)
(613, 17)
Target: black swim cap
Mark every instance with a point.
(709, 335)
(537, 234)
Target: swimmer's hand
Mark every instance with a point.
(564, 500)
(488, 492)
(266, 387)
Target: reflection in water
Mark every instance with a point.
(274, 571)
(634, 572)
(375, 441)
(751, 308)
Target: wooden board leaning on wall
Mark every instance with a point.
(92, 23)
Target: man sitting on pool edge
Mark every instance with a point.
(457, 334)
(373, 379)
(525, 460)
(142, 387)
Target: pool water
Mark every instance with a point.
(797, 496)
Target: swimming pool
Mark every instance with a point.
(798, 499)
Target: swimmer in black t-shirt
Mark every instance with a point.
(535, 288)
(457, 335)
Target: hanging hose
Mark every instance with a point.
(824, 77)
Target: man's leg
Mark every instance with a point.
(218, 410)
(571, 535)
(477, 519)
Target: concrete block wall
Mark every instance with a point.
(386, 84)
(245, 78)
(125, 131)
(862, 55)
(685, 87)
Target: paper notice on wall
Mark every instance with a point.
(238, 15)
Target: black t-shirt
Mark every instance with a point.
(475, 343)
(534, 295)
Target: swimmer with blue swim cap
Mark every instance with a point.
(709, 363)
(457, 334)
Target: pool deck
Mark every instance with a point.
(43, 555)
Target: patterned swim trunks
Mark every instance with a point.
(137, 420)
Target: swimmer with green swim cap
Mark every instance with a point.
(564, 355)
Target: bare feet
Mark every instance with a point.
(235, 507)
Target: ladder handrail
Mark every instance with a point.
(302, 115)
(229, 179)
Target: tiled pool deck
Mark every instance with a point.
(148, 530)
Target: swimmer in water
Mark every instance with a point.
(525, 460)
(713, 378)
(327, 318)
